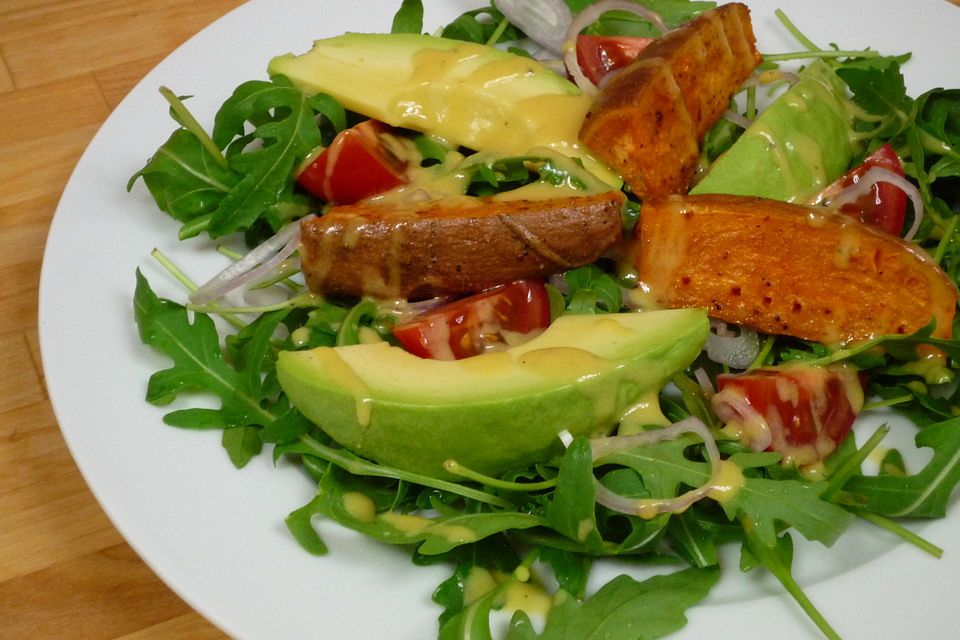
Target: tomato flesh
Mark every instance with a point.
(356, 165)
(489, 320)
(599, 55)
(885, 206)
(799, 411)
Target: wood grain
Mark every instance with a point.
(65, 572)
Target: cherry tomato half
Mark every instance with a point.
(356, 165)
(800, 411)
(599, 55)
(885, 206)
(486, 321)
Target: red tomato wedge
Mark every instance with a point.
(356, 165)
(800, 411)
(599, 55)
(489, 320)
(885, 207)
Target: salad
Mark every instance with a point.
(541, 518)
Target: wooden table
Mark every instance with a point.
(64, 569)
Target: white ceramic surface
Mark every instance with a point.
(215, 534)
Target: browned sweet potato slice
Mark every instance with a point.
(788, 269)
(419, 250)
(648, 121)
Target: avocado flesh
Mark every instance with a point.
(799, 145)
(496, 411)
(470, 95)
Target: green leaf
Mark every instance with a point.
(626, 609)
(365, 506)
(592, 290)
(796, 504)
(880, 91)
(409, 17)
(622, 23)
(925, 494)
(300, 525)
(938, 114)
(198, 364)
(766, 503)
(570, 569)
(242, 444)
(287, 129)
(635, 535)
(691, 540)
(479, 26)
(194, 348)
(288, 426)
(184, 179)
(572, 511)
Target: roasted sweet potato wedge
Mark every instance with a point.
(788, 269)
(420, 250)
(648, 121)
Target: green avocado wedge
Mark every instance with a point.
(800, 144)
(470, 95)
(497, 411)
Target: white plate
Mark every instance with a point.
(215, 534)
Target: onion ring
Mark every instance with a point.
(862, 186)
(544, 21)
(254, 265)
(587, 17)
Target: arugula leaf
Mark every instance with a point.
(794, 503)
(881, 92)
(409, 17)
(621, 23)
(242, 444)
(193, 186)
(286, 126)
(364, 506)
(480, 26)
(693, 541)
(922, 495)
(246, 400)
(570, 569)
(185, 180)
(625, 609)
(765, 503)
(592, 290)
(572, 511)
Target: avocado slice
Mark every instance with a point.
(800, 144)
(496, 411)
(469, 94)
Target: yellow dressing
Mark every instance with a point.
(405, 522)
(360, 506)
(725, 482)
(331, 361)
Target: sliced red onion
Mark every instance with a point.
(252, 267)
(737, 351)
(587, 17)
(703, 380)
(605, 446)
(405, 310)
(544, 21)
(559, 280)
(738, 119)
(732, 406)
(862, 186)
(648, 507)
